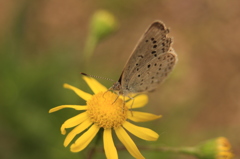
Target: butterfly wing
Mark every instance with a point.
(153, 44)
(152, 73)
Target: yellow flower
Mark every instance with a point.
(104, 110)
(218, 148)
(223, 149)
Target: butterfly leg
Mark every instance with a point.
(110, 89)
(105, 93)
(131, 104)
(123, 104)
(117, 97)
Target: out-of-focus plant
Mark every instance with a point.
(218, 148)
(102, 24)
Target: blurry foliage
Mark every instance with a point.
(31, 83)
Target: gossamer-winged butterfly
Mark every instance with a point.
(150, 63)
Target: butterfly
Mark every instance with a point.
(150, 63)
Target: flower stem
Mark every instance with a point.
(93, 150)
(181, 150)
(90, 46)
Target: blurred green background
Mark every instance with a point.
(41, 47)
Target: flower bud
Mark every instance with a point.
(218, 148)
(102, 24)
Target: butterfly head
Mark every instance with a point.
(116, 87)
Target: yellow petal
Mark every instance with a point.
(109, 147)
(80, 93)
(76, 107)
(225, 154)
(128, 143)
(141, 132)
(141, 116)
(82, 142)
(78, 119)
(138, 101)
(84, 125)
(130, 96)
(94, 85)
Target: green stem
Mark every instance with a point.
(94, 148)
(188, 150)
(182, 150)
(90, 46)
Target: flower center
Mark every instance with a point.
(107, 110)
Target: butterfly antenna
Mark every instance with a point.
(94, 76)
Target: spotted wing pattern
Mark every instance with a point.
(151, 61)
